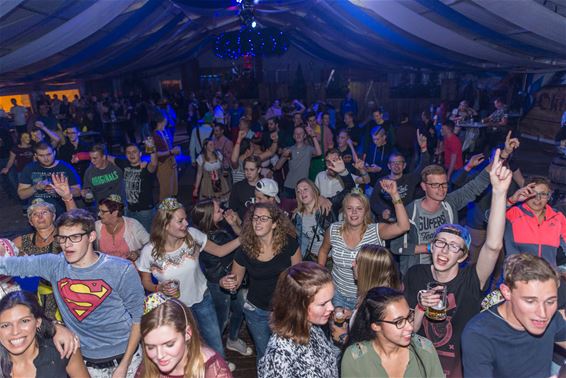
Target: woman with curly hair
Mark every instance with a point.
(346, 237)
(172, 256)
(269, 246)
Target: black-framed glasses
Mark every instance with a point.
(262, 218)
(75, 238)
(400, 323)
(454, 248)
(436, 185)
(100, 211)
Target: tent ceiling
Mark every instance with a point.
(58, 40)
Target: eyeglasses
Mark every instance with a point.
(436, 185)
(75, 238)
(100, 211)
(400, 323)
(454, 248)
(262, 218)
(539, 195)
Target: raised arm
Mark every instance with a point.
(500, 178)
(392, 230)
(221, 250)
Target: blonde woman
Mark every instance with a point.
(346, 237)
(172, 344)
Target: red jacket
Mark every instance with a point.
(523, 233)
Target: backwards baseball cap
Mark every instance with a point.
(455, 229)
(268, 187)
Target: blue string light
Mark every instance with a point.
(249, 41)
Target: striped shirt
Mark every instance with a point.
(343, 257)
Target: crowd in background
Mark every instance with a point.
(348, 246)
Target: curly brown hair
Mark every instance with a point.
(249, 240)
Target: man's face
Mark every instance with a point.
(299, 135)
(45, 157)
(271, 125)
(435, 187)
(44, 109)
(75, 252)
(533, 304)
(448, 257)
(133, 155)
(311, 121)
(444, 130)
(330, 158)
(326, 120)
(498, 104)
(377, 116)
(396, 164)
(379, 138)
(348, 120)
(73, 134)
(542, 195)
(342, 139)
(251, 172)
(97, 159)
(218, 131)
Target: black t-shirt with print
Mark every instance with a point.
(242, 193)
(464, 302)
(138, 184)
(263, 275)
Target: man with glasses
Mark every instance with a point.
(35, 179)
(381, 203)
(100, 297)
(426, 214)
(533, 226)
(448, 248)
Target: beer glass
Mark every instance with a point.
(437, 312)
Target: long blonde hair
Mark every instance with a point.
(158, 234)
(301, 207)
(376, 268)
(173, 313)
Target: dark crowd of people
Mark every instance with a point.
(348, 247)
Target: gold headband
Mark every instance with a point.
(170, 204)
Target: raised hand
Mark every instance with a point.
(524, 193)
(241, 135)
(421, 139)
(310, 131)
(390, 186)
(475, 160)
(360, 164)
(511, 144)
(500, 176)
(232, 217)
(336, 165)
(60, 185)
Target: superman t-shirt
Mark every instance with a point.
(99, 303)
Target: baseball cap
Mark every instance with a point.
(455, 229)
(268, 187)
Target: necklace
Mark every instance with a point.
(44, 240)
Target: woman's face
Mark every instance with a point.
(177, 227)
(396, 311)
(305, 193)
(321, 306)
(342, 139)
(167, 349)
(262, 222)
(107, 217)
(354, 212)
(210, 146)
(41, 218)
(217, 214)
(540, 199)
(17, 329)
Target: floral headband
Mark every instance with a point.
(170, 204)
(114, 198)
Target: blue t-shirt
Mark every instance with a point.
(492, 348)
(35, 172)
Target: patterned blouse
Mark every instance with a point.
(284, 358)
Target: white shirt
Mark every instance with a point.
(182, 265)
(19, 114)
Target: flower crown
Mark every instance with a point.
(154, 300)
(170, 204)
(114, 198)
(357, 190)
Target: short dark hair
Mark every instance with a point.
(99, 148)
(42, 146)
(450, 124)
(76, 217)
(113, 206)
(539, 180)
(132, 145)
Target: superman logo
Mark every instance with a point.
(83, 296)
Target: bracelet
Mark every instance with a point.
(420, 307)
(67, 200)
(397, 201)
(511, 201)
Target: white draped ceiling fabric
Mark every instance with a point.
(60, 40)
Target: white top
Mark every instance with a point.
(181, 265)
(329, 186)
(343, 257)
(19, 114)
(210, 166)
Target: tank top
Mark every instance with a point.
(343, 257)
